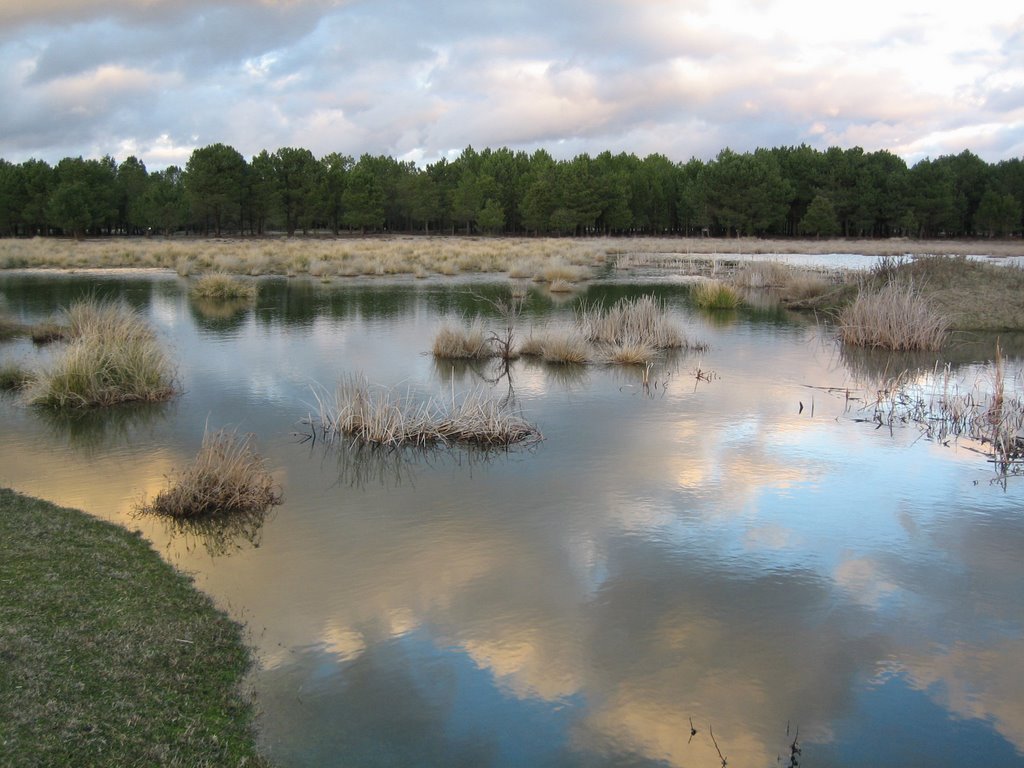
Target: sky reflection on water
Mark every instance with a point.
(709, 551)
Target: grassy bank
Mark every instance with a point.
(111, 657)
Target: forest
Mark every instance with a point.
(780, 192)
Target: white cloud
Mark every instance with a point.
(419, 80)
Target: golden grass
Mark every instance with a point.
(380, 416)
(222, 286)
(642, 319)
(113, 357)
(565, 345)
(455, 342)
(785, 281)
(894, 316)
(227, 477)
(714, 294)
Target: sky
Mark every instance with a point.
(420, 80)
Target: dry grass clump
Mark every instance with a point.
(560, 286)
(113, 357)
(562, 271)
(14, 377)
(630, 353)
(227, 477)
(10, 328)
(219, 285)
(895, 316)
(714, 294)
(455, 342)
(380, 416)
(565, 346)
(48, 332)
(787, 282)
(638, 320)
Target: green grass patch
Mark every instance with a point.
(110, 656)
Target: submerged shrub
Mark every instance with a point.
(895, 316)
(218, 285)
(227, 477)
(714, 294)
(113, 357)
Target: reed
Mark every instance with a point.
(10, 328)
(48, 332)
(714, 294)
(565, 346)
(638, 320)
(630, 353)
(222, 286)
(113, 357)
(894, 316)
(380, 416)
(226, 477)
(456, 342)
(14, 377)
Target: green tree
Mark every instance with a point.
(363, 198)
(215, 186)
(492, 217)
(163, 202)
(746, 193)
(335, 170)
(132, 181)
(933, 198)
(998, 214)
(12, 198)
(69, 208)
(297, 181)
(820, 218)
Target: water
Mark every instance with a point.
(704, 551)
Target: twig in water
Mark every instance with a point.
(711, 730)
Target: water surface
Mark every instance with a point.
(731, 553)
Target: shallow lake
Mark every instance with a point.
(724, 564)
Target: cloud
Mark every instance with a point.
(424, 80)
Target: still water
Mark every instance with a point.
(711, 569)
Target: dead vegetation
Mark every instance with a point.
(385, 417)
(227, 477)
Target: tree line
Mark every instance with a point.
(784, 191)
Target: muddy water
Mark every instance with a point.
(731, 553)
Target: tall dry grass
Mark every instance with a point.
(894, 316)
(457, 342)
(714, 294)
(226, 477)
(381, 416)
(222, 286)
(113, 356)
(643, 319)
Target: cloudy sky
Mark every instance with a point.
(419, 80)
